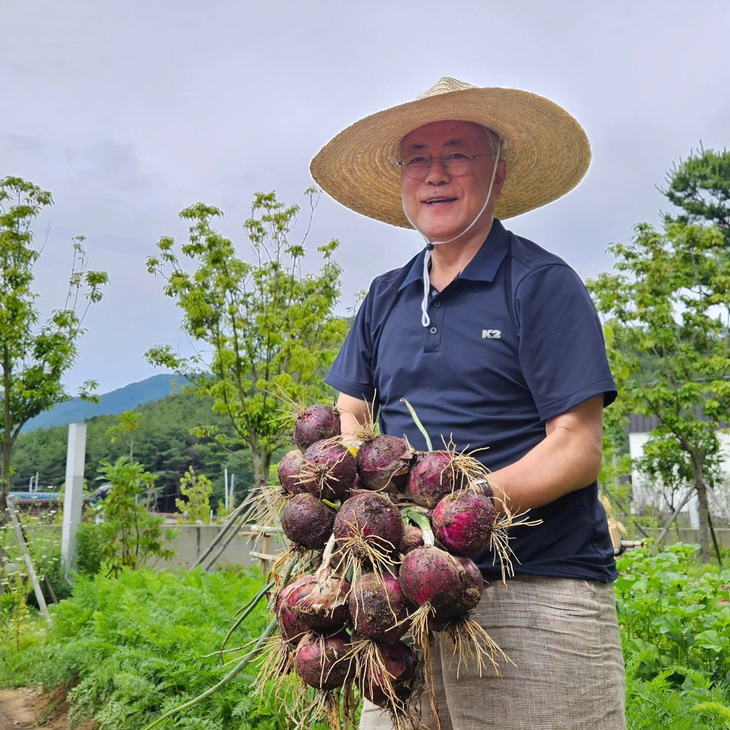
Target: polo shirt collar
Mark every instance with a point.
(484, 265)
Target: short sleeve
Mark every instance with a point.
(352, 370)
(561, 348)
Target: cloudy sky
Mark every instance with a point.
(130, 111)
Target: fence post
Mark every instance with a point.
(74, 494)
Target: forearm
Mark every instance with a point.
(568, 459)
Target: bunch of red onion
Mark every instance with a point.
(389, 534)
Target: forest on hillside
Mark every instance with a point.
(162, 444)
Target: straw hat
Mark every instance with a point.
(547, 151)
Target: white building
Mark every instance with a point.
(644, 492)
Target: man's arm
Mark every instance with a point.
(568, 459)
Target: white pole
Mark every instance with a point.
(74, 495)
(225, 486)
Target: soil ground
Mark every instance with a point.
(32, 708)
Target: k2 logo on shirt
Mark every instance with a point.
(491, 334)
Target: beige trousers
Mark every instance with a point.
(568, 671)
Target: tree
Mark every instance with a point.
(33, 357)
(129, 534)
(671, 298)
(125, 429)
(196, 488)
(269, 328)
(700, 187)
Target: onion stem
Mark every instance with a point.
(246, 612)
(419, 519)
(418, 423)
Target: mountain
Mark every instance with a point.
(113, 403)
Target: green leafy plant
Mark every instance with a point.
(670, 296)
(88, 548)
(129, 534)
(124, 429)
(672, 617)
(675, 621)
(16, 592)
(196, 488)
(137, 645)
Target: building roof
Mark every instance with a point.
(639, 423)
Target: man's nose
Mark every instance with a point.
(437, 172)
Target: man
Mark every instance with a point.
(497, 345)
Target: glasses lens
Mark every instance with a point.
(457, 163)
(416, 166)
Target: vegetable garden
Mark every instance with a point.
(131, 647)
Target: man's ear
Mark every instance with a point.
(500, 176)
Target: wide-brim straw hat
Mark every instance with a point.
(546, 150)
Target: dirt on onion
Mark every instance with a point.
(472, 587)
(412, 539)
(378, 608)
(329, 470)
(314, 424)
(322, 661)
(429, 575)
(383, 462)
(289, 472)
(371, 518)
(431, 478)
(307, 521)
(321, 602)
(290, 624)
(388, 679)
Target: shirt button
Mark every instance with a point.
(434, 330)
(437, 304)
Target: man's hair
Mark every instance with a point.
(496, 143)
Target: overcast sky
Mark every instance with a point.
(130, 111)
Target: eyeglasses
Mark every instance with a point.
(456, 164)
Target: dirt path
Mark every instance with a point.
(31, 708)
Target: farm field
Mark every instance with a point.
(129, 648)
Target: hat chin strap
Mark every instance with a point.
(425, 319)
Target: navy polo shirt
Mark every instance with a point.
(514, 340)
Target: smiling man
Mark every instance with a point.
(496, 343)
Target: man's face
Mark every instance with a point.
(442, 205)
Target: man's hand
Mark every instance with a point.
(568, 459)
(353, 412)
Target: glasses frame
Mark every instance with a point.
(467, 155)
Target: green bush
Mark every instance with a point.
(675, 621)
(89, 548)
(134, 647)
